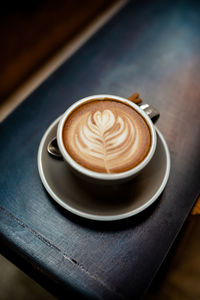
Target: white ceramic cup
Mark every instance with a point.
(105, 178)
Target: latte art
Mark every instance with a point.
(109, 137)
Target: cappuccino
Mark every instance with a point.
(106, 136)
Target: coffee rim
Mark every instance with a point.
(97, 175)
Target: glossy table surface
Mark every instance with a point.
(150, 48)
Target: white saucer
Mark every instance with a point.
(107, 203)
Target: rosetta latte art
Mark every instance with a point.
(106, 136)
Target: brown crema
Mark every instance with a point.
(106, 136)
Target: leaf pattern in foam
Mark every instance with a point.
(104, 136)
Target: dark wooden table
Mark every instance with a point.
(149, 47)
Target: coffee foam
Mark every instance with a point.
(106, 136)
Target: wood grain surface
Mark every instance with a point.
(151, 48)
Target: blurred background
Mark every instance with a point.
(14, 284)
(32, 31)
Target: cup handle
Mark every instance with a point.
(151, 111)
